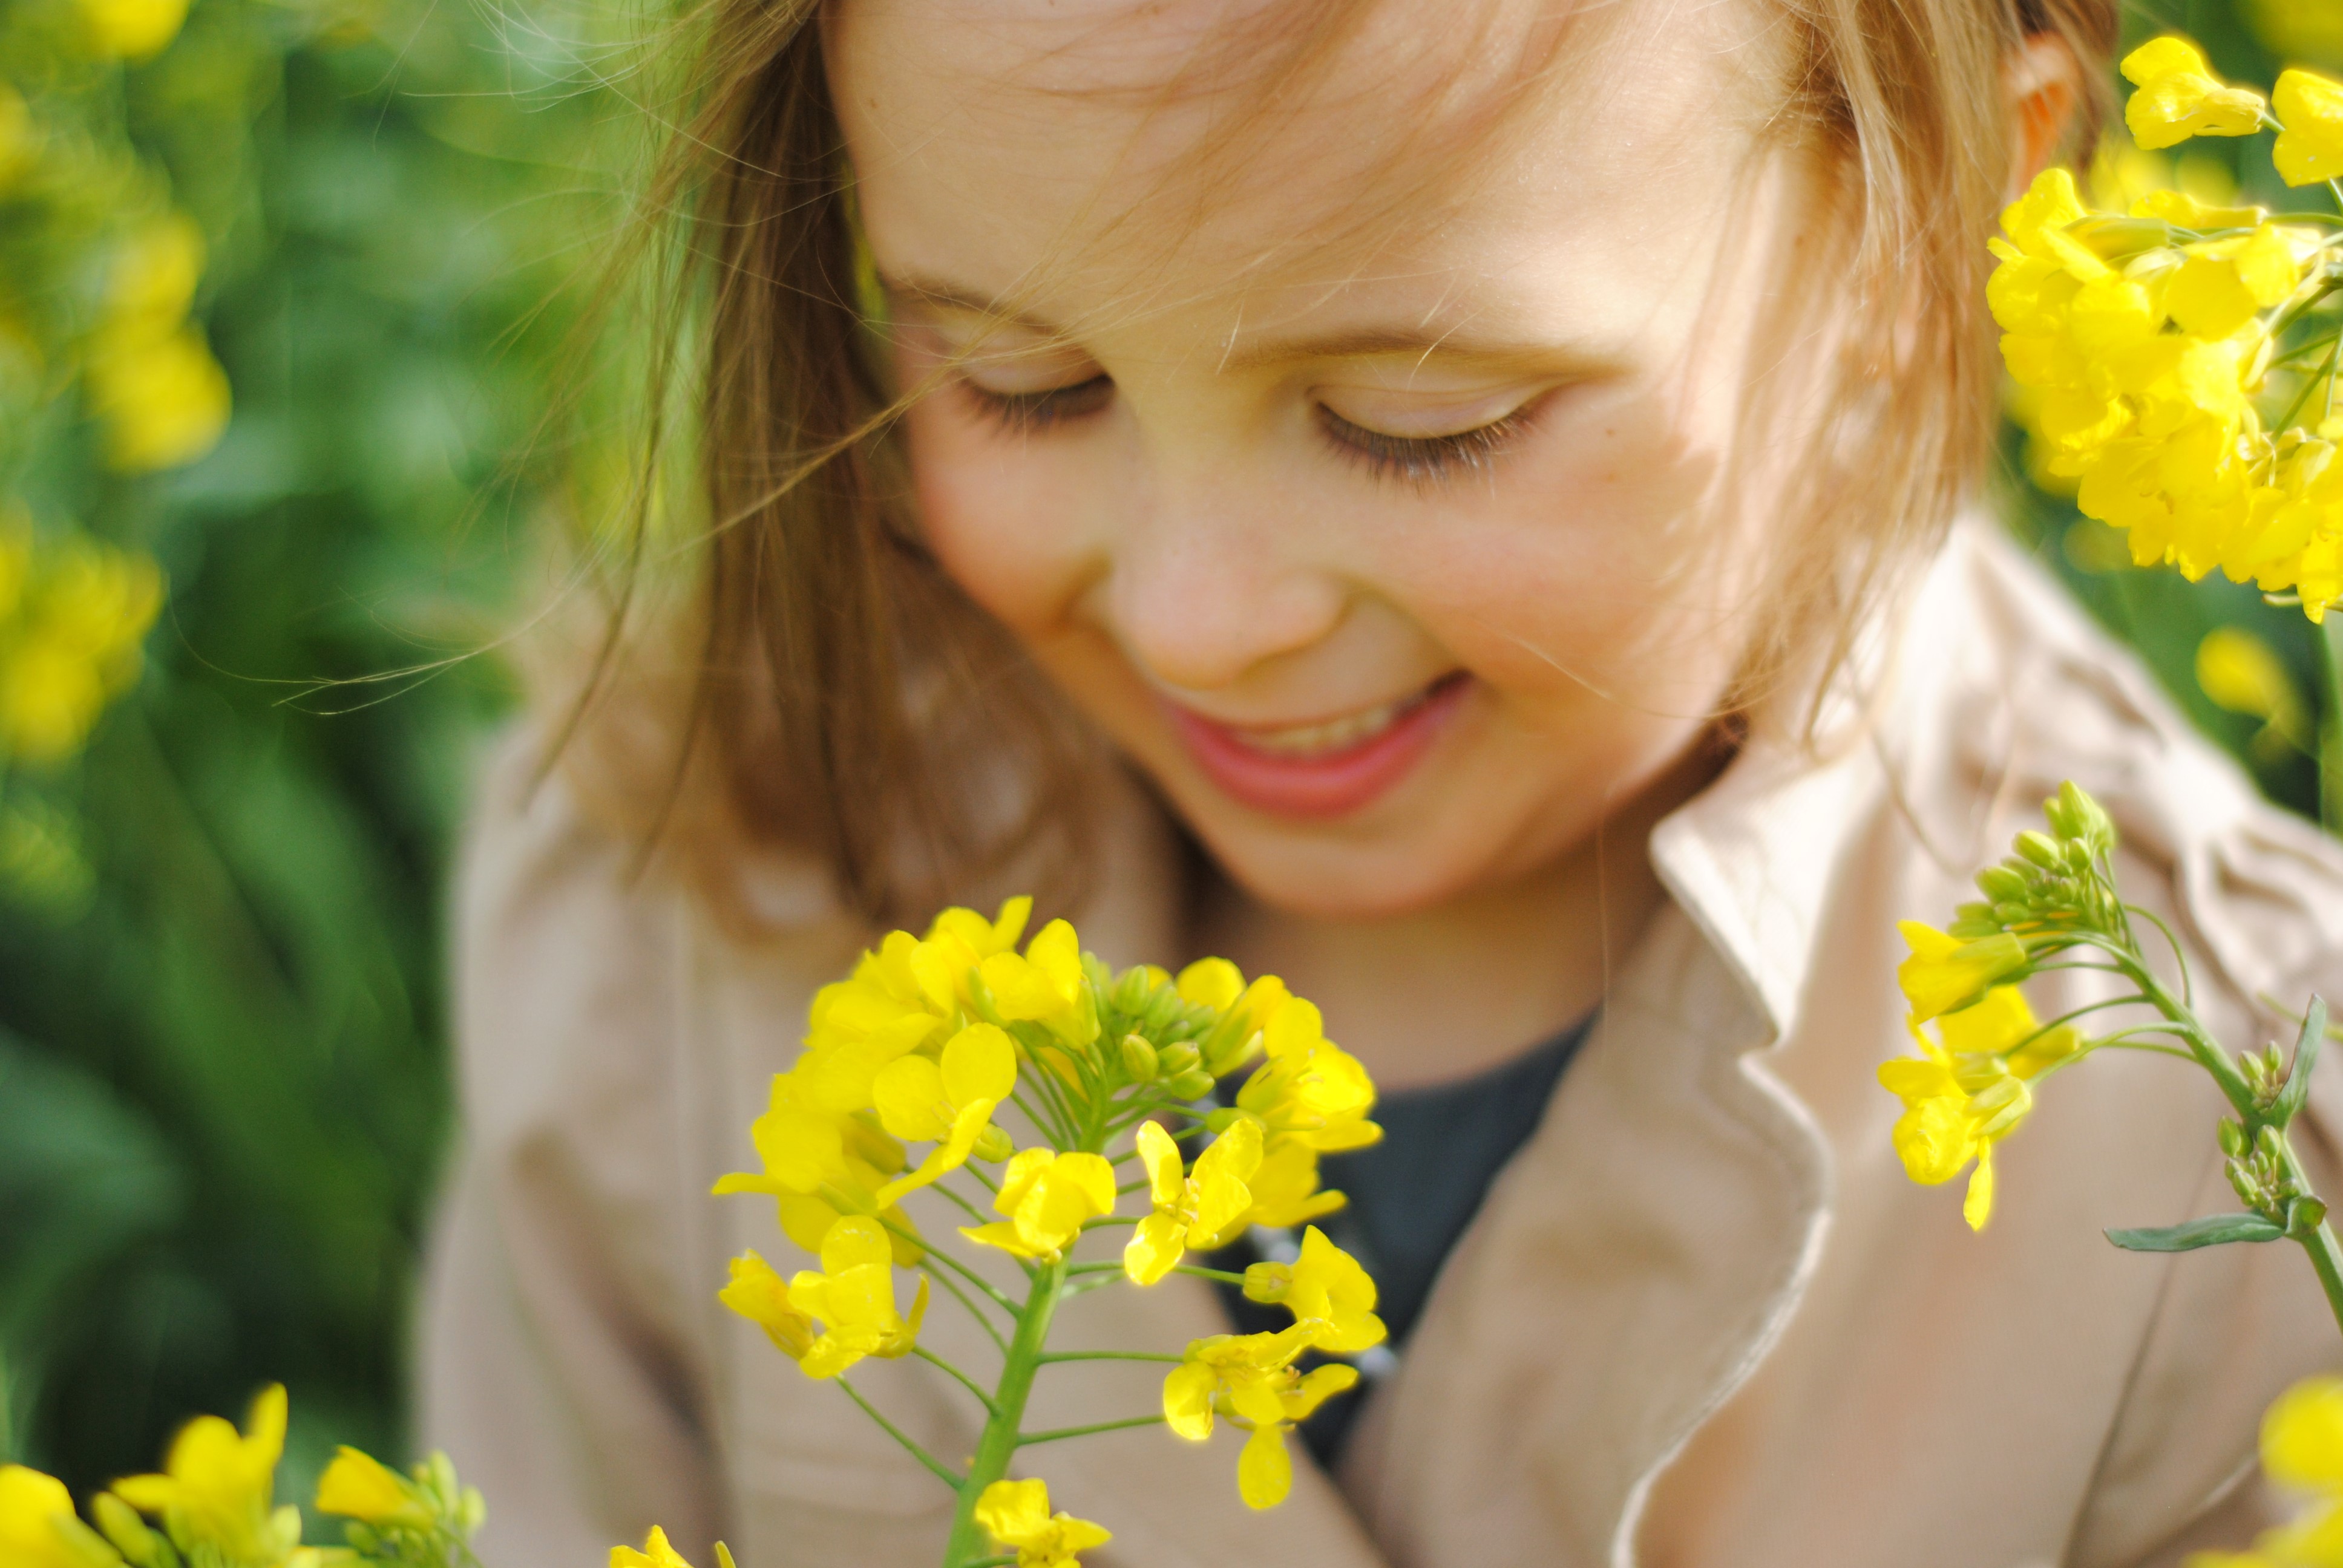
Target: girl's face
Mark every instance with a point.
(1399, 552)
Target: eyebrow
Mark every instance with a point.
(1351, 343)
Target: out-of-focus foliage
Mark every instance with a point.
(2265, 684)
(284, 284)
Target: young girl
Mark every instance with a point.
(1456, 505)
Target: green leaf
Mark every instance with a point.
(2210, 1232)
(2290, 1098)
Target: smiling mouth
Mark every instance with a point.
(1329, 767)
(1333, 737)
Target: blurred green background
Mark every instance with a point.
(282, 287)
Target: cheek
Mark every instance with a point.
(1000, 523)
(1599, 572)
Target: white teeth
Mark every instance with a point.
(1335, 735)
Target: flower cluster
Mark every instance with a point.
(1027, 1071)
(212, 1505)
(72, 617)
(2144, 338)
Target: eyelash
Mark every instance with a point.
(1424, 460)
(1419, 460)
(1024, 413)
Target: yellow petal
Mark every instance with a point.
(1978, 1207)
(980, 1062)
(2311, 148)
(1155, 1248)
(358, 1486)
(1014, 1512)
(856, 1240)
(1161, 1156)
(910, 1095)
(1210, 982)
(1187, 1401)
(1264, 1470)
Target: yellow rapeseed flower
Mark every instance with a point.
(820, 1165)
(1285, 1191)
(854, 1297)
(1047, 1198)
(1325, 1286)
(1310, 1091)
(1946, 973)
(38, 1528)
(1251, 1379)
(1967, 1093)
(218, 1484)
(2310, 148)
(358, 1486)
(2178, 97)
(759, 1293)
(948, 1102)
(1044, 985)
(1199, 1208)
(1016, 1513)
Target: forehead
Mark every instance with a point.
(1072, 150)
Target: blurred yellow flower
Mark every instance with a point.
(359, 1486)
(1016, 1513)
(1193, 1209)
(1047, 1198)
(2243, 674)
(72, 617)
(132, 29)
(2310, 148)
(37, 1524)
(854, 1297)
(2298, 29)
(2178, 97)
(2302, 1451)
(153, 382)
(219, 1485)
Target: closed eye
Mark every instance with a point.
(1024, 413)
(1424, 460)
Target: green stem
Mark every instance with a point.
(964, 1381)
(967, 1544)
(942, 1472)
(2326, 1258)
(1028, 1439)
(1220, 1274)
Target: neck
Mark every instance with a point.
(1445, 992)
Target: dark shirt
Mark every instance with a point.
(1413, 1195)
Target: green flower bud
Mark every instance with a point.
(2039, 847)
(993, 1145)
(2002, 885)
(2233, 1139)
(2307, 1215)
(1175, 1060)
(1193, 1084)
(2241, 1181)
(1222, 1120)
(1138, 1058)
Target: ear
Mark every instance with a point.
(2042, 87)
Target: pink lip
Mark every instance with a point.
(1331, 785)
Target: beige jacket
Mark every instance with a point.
(1704, 1319)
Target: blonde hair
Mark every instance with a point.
(840, 697)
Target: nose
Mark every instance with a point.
(1202, 590)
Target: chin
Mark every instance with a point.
(1330, 879)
